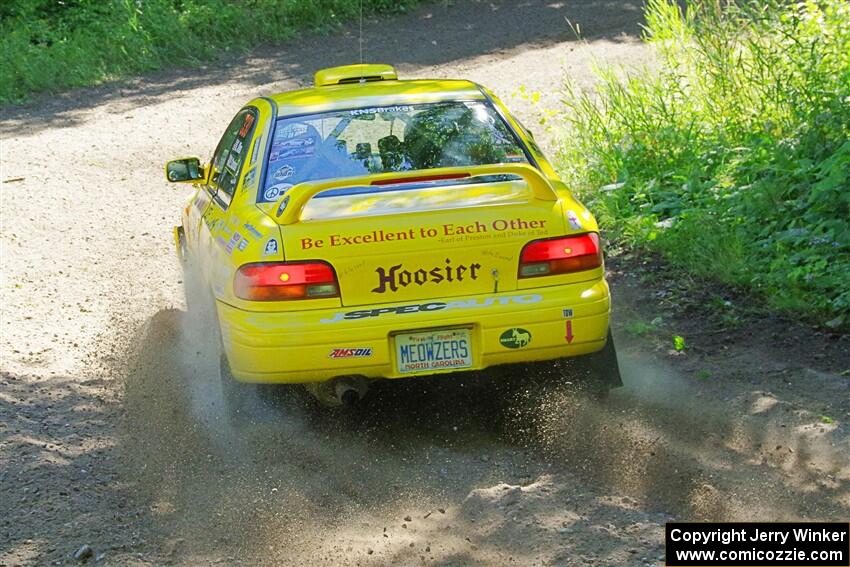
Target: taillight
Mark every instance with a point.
(560, 255)
(282, 281)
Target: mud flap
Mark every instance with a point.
(595, 374)
(602, 366)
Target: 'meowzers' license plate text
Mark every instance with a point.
(433, 350)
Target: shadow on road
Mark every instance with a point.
(451, 32)
(58, 454)
(182, 483)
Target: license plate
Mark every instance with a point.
(433, 350)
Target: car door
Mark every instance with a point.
(220, 230)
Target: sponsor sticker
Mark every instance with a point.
(361, 352)
(568, 313)
(395, 276)
(249, 119)
(256, 151)
(284, 172)
(275, 191)
(293, 143)
(271, 193)
(515, 338)
(212, 223)
(292, 153)
(573, 220)
(359, 111)
(249, 178)
(291, 131)
(271, 248)
(250, 228)
(434, 306)
(234, 240)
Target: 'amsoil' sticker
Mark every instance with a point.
(350, 352)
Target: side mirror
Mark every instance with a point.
(183, 170)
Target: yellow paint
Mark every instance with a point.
(419, 259)
(347, 73)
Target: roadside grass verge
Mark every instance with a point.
(51, 46)
(731, 159)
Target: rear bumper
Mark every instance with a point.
(296, 347)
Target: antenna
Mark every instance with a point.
(361, 32)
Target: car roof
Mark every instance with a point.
(374, 93)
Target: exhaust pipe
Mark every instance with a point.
(346, 394)
(349, 391)
(344, 391)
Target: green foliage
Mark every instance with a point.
(639, 328)
(449, 135)
(49, 45)
(732, 157)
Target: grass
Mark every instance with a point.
(639, 328)
(731, 158)
(50, 45)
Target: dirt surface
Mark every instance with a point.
(112, 432)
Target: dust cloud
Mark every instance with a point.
(295, 470)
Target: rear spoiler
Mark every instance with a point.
(299, 195)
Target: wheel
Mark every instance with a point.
(190, 275)
(199, 300)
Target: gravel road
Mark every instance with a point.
(112, 433)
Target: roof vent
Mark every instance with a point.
(354, 74)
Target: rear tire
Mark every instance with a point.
(200, 304)
(190, 275)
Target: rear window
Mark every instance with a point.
(384, 139)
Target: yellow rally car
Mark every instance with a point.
(370, 227)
